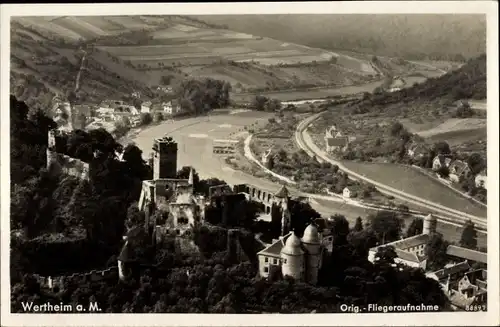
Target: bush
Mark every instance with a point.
(158, 117)
(146, 118)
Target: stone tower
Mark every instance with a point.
(292, 257)
(165, 159)
(430, 223)
(312, 243)
(282, 198)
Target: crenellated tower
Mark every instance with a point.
(164, 158)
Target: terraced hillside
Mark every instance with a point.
(146, 51)
(44, 65)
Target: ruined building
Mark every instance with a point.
(167, 194)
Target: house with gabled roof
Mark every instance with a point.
(410, 251)
(417, 150)
(458, 170)
(439, 161)
(337, 144)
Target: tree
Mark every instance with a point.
(443, 172)
(359, 225)
(416, 227)
(476, 163)
(385, 255)
(386, 225)
(135, 217)
(146, 118)
(158, 117)
(464, 110)
(397, 128)
(340, 229)
(441, 148)
(435, 251)
(469, 236)
(259, 102)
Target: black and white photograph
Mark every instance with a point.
(242, 160)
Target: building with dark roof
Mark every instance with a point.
(458, 169)
(411, 251)
(467, 254)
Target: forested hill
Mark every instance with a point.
(467, 82)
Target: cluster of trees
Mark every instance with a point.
(263, 103)
(200, 96)
(214, 284)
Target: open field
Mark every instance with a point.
(316, 93)
(411, 181)
(455, 125)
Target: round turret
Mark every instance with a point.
(312, 243)
(292, 256)
(430, 223)
(311, 235)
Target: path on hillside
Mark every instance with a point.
(305, 142)
(77, 82)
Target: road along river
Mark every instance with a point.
(304, 141)
(194, 137)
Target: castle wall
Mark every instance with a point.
(65, 164)
(52, 282)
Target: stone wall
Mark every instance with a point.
(64, 164)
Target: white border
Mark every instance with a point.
(490, 8)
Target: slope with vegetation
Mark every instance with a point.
(381, 127)
(448, 37)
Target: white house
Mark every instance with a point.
(481, 179)
(146, 107)
(348, 192)
(170, 107)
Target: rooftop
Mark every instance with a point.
(337, 141)
(406, 242)
(282, 193)
(455, 269)
(465, 253)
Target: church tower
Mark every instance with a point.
(282, 198)
(165, 158)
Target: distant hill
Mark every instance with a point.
(466, 82)
(415, 37)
